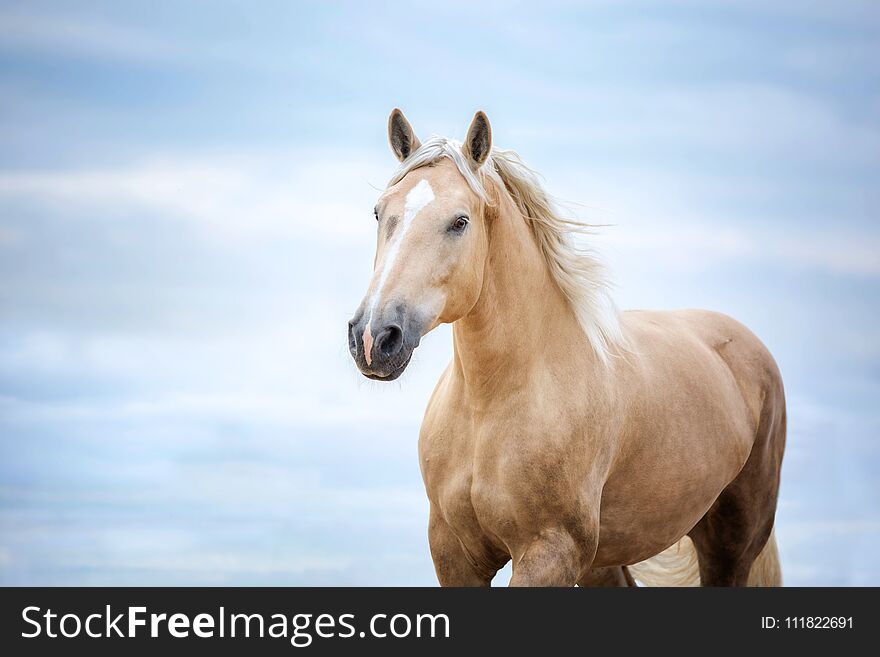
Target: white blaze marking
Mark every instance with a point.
(368, 344)
(416, 200)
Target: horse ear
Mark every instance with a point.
(401, 136)
(478, 142)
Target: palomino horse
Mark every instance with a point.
(565, 436)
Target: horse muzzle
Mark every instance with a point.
(382, 344)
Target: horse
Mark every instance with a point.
(586, 445)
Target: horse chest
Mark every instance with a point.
(447, 466)
(476, 509)
(501, 477)
(472, 488)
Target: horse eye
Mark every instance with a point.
(459, 224)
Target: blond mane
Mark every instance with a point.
(579, 274)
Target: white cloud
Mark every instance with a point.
(773, 124)
(257, 372)
(74, 34)
(667, 223)
(688, 246)
(226, 197)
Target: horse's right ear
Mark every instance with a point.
(401, 136)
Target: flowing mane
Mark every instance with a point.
(579, 274)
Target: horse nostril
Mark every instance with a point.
(352, 340)
(389, 341)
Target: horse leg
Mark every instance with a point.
(453, 565)
(553, 559)
(607, 577)
(735, 530)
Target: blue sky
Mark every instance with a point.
(186, 200)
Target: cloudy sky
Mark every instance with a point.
(186, 224)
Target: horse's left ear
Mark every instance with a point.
(478, 142)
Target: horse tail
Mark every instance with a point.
(766, 570)
(677, 566)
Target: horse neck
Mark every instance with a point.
(521, 319)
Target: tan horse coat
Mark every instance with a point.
(534, 449)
